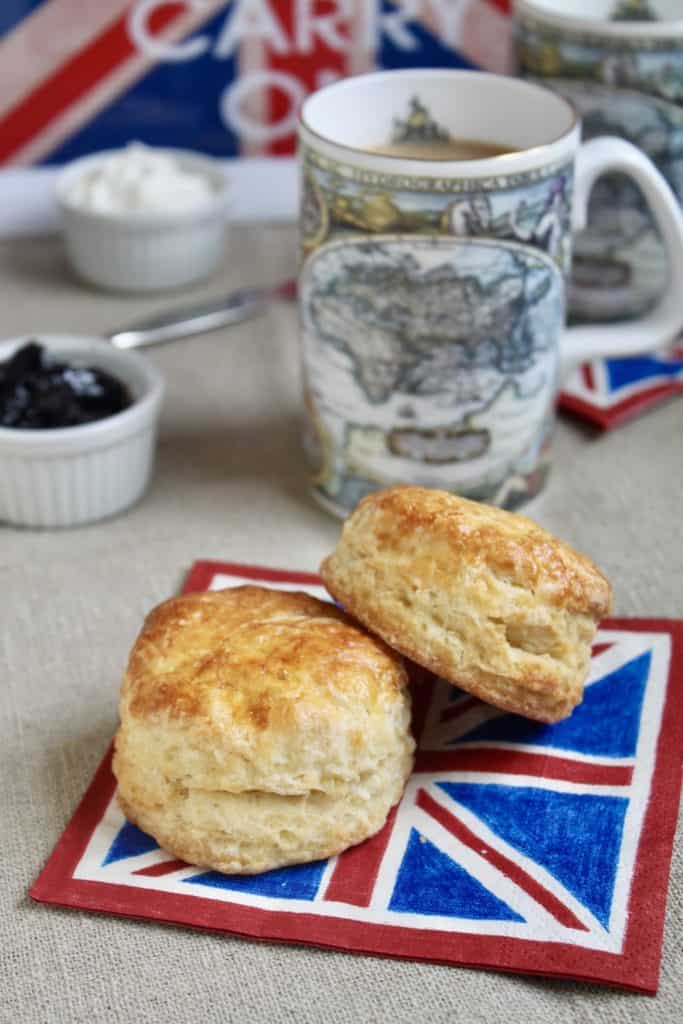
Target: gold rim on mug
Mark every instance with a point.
(454, 74)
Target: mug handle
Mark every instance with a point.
(660, 326)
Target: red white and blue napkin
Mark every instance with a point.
(516, 846)
(608, 392)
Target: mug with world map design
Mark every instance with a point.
(437, 211)
(620, 62)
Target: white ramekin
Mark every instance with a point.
(144, 251)
(75, 475)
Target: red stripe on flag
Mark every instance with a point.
(309, 67)
(354, 876)
(520, 762)
(513, 871)
(587, 374)
(598, 649)
(167, 867)
(74, 79)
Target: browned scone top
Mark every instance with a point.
(259, 728)
(485, 598)
(259, 656)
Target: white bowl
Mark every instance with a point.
(74, 475)
(144, 251)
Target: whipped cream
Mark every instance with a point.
(139, 179)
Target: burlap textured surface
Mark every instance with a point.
(230, 484)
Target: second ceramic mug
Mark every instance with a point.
(432, 292)
(620, 62)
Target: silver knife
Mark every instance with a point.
(183, 323)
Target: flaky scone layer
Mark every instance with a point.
(485, 598)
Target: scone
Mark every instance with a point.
(260, 728)
(484, 598)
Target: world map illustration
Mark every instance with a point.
(422, 331)
(416, 348)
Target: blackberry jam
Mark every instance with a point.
(39, 393)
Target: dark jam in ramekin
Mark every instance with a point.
(39, 393)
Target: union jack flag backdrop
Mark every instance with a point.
(223, 76)
(516, 846)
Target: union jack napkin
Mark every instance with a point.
(516, 846)
(608, 392)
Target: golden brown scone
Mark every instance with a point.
(484, 598)
(260, 728)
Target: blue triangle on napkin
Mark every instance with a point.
(606, 723)
(576, 837)
(130, 841)
(622, 372)
(297, 882)
(430, 882)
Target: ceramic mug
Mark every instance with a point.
(432, 292)
(620, 62)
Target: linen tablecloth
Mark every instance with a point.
(230, 484)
